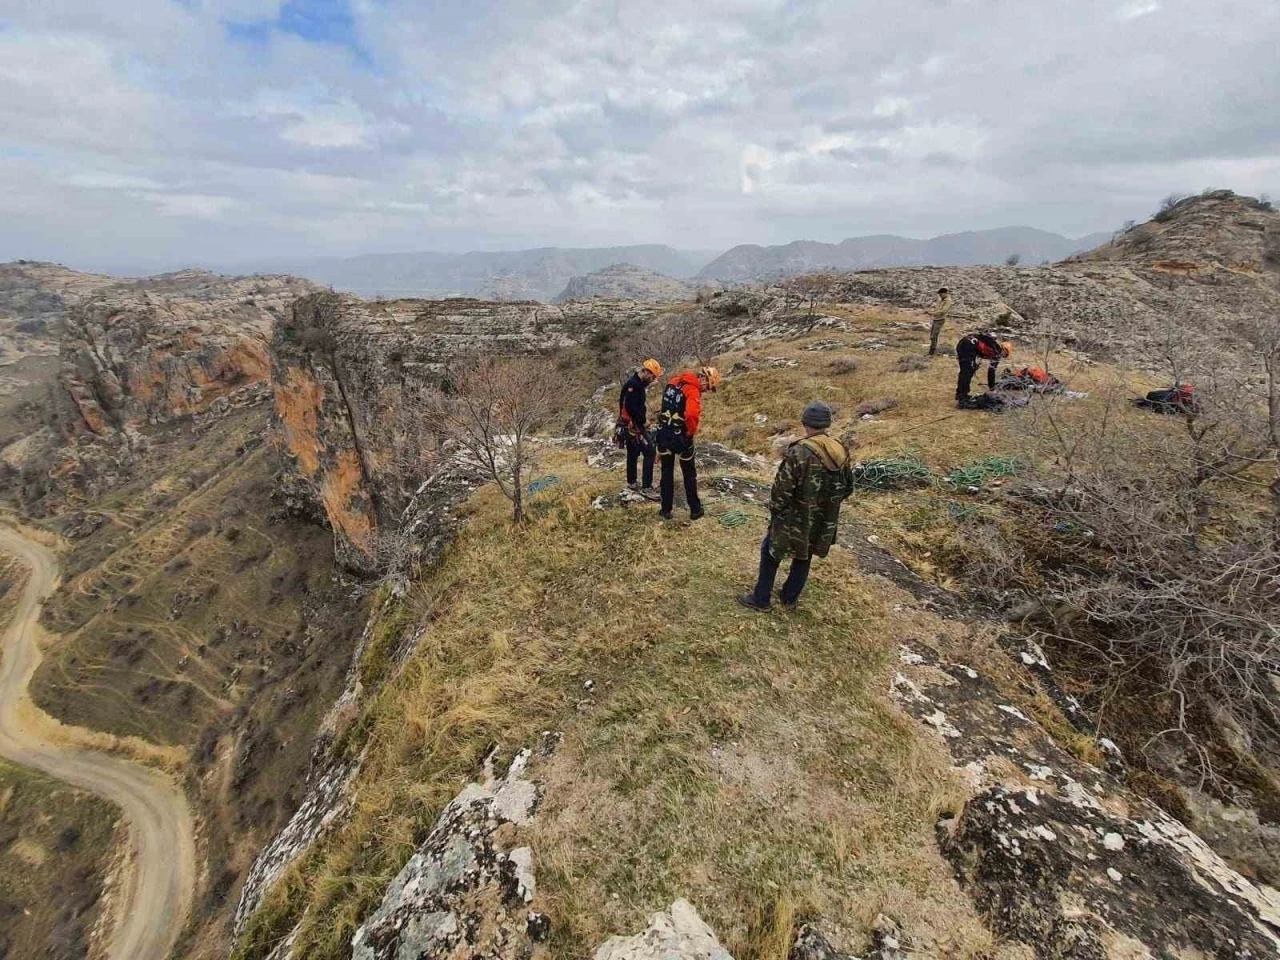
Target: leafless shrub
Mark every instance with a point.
(841, 366)
(492, 411)
(735, 432)
(1172, 577)
(912, 363)
(806, 291)
(1167, 206)
(877, 405)
(673, 340)
(1013, 259)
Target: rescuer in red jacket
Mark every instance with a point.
(677, 426)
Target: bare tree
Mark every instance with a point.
(672, 339)
(1013, 259)
(492, 411)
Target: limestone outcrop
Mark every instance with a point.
(623, 281)
(467, 892)
(1059, 854)
(677, 933)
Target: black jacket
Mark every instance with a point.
(631, 405)
(980, 346)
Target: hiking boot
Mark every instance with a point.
(649, 493)
(748, 600)
(698, 514)
(664, 514)
(789, 606)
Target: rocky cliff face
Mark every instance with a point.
(168, 347)
(34, 299)
(351, 379)
(88, 364)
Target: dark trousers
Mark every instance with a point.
(667, 484)
(797, 576)
(638, 447)
(969, 363)
(968, 367)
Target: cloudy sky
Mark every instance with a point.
(164, 131)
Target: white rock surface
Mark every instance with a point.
(677, 933)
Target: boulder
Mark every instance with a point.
(466, 892)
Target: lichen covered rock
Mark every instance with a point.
(1060, 854)
(467, 892)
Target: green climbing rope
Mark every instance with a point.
(734, 518)
(982, 471)
(891, 473)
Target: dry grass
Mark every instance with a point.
(925, 420)
(752, 763)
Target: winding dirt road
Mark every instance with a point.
(152, 905)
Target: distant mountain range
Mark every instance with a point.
(971, 248)
(544, 273)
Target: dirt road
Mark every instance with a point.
(152, 908)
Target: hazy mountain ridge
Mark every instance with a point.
(542, 273)
(970, 248)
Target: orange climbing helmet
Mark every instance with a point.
(653, 366)
(1006, 348)
(712, 377)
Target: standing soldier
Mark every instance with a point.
(633, 423)
(940, 311)
(971, 350)
(677, 425)
(812, 482)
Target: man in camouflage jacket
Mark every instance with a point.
(812, 482)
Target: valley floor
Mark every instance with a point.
(152, 906)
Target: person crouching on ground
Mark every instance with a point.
(814, 479)
(677, 425)
(971, 350)
(941, 310)
(633, 422)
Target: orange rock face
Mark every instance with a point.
(158, 350)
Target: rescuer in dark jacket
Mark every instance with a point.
(633, 423)
(971, 350)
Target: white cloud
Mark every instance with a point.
(502, 122)
(198, 205)
(1136, 9)
(322, 131)
(99, 180)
